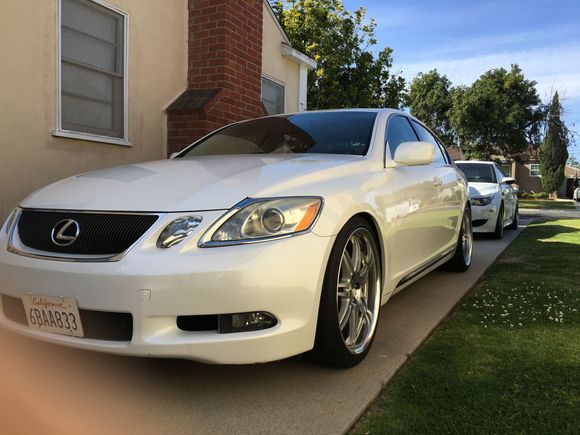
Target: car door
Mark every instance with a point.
(447, 216)
(411, 205)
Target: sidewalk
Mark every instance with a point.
(60, 390)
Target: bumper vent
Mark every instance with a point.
(97, 325)
(98, 234)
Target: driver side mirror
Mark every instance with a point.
(414, 153)
(508, 180)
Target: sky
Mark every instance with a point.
(463, 39)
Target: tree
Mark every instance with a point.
(500, 113)
(573, 161)
(430, 100)
(554, 150)
(348, 73)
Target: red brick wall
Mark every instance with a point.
(225, 53)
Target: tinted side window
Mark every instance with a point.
(398, 131)
(425, 136)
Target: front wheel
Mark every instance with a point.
(461, 260)
(514, 224)
(351, 298)
(498, 233)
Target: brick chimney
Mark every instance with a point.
(224, 70)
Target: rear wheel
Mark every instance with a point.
(351, 298)
(514, 224)
(461, 260)
(498, 233)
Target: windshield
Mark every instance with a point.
(478, 172)
(316, 132)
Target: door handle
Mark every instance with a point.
(437, 182)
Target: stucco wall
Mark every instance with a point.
(274, 66)
(31, 156)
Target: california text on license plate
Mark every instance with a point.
(50, 314)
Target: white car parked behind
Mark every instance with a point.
(493, 199)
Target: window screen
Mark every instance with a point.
(272, 96)
(92, 68)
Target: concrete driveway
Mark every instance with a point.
(50, 389)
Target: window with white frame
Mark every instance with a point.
(273, 96)
(92, 70)
(535, 170)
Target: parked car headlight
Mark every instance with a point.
(263, 219)
(177, 231)
(481, 201)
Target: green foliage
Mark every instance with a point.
(554, 149)
(348, 74)
(499, 114)
(430, 100)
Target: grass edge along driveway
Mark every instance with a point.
(546, 204)
(508, 360)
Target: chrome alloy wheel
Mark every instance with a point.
(467, 239)
(358, 291)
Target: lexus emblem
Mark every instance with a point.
(65, 232)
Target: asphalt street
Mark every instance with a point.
(50, 389)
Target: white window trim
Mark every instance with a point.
(59, 131)
(281, 83)
(530, 170)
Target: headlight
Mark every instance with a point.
(178, 230)
(481, 201)
(263, 219)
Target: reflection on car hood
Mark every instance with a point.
(203, 183)
(482, 189)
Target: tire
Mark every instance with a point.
(498, 233)
(343, 300)
(514, 224)
(461, 260)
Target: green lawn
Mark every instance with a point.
(508, 361)
(546, 204)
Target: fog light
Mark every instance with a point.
(243, 322)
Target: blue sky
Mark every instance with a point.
(463, 39)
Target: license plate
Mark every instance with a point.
(56, 315)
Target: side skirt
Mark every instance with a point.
(423, 270)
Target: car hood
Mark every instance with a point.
(203, 183)
(482, 189)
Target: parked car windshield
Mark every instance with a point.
(318, 133)
(478, 172)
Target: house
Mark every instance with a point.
(87, 84)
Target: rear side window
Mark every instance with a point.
(398, 131)
(425, 136)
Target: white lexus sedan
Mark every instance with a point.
(494, 201)
(265, 239)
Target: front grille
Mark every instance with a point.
(97, 325)
(99, 234)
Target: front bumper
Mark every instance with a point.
(484, 218)
(282, 277)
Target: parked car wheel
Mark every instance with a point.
(461, 260)
(514, 224)
(351, 298)
(498, 233)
